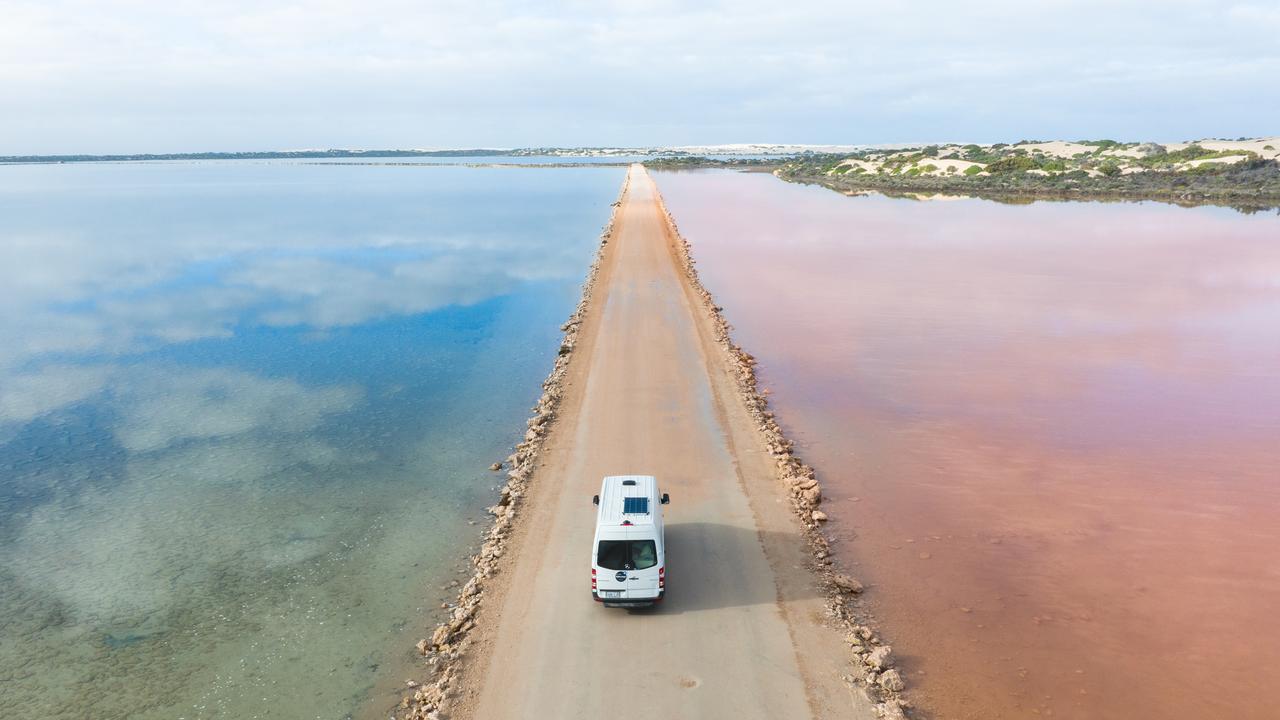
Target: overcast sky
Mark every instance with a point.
(102, 76)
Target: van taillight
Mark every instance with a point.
(593, 578)
(662, 577)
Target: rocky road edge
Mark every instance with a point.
(432, 698)
(874, 674)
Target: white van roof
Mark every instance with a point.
(631, 499)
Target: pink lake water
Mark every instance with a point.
(1049, 434)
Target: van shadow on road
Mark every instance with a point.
(712, 566)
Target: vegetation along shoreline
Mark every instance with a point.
(1243, 174)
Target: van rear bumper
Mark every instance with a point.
(628, 602)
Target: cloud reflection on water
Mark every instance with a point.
(238, 401)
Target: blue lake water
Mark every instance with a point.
(246, 411)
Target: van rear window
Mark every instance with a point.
(627, 554)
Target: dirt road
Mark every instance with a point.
(740, 634)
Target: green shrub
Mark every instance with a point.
(973, 170)
(1013, 163)
(1207, 168)
(1193, 151)
(1054, 166)
(1109, 169)
(978, 154)
(1190, 152)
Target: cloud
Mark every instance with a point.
(164, 408)
(123, 554)
(28, 395)
(213, 453)
(131, 274)
(115, 76)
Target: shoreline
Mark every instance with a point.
(445, 650)
(879, 682)
(455, 653)
(1240, 200)
(1247, 187)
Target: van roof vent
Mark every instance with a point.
(628, 482)
(635, 506)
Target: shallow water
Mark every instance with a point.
(1050, 433)
(246, 411)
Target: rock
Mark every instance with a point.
(441, 636)
(818, 516)
(423, 645)
(846, 584)
(890, 711)
(1149, 149)
(496, 467)
(881, 657)
(812, 496)
(891, 680)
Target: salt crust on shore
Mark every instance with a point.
(873, 674)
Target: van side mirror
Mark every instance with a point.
(666, 499)
(595, 499)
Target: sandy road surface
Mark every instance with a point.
(740, 634)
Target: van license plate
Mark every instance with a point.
(611, 593)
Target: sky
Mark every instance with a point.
(125, 76)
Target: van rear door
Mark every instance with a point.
(627, 566)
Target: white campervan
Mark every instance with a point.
(628, 554)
